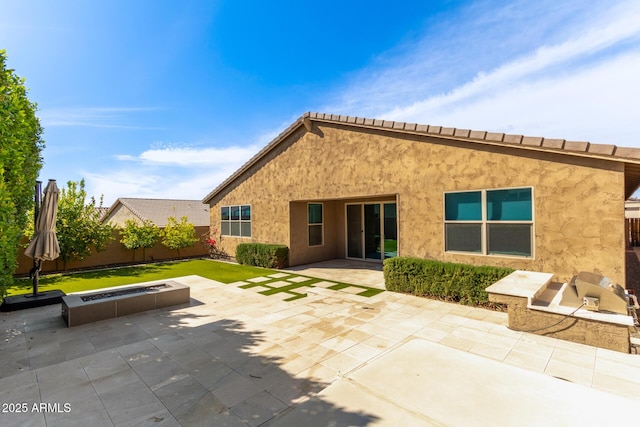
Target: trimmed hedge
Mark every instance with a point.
(460, 283)
(262, 255)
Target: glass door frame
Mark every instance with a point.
(362, 205)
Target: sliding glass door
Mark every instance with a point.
(372, 231)
(372, 236)
(390, 230)
(354, 231)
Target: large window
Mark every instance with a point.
(315, 224)
(489, 222)
(235, 221)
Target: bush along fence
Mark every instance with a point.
(115, 254)
(263, 255)
(460, 283)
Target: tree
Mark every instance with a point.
(21, 145)
(79, 227)
(135, 235)
(178, 235)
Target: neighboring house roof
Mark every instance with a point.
(158, 210)
(103, 211)
(632, 208)
(629, 157)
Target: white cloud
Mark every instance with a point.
(575, 79)
(212, 156)
(171, 172)
(597, 104)
(544, 60)
(100, 117)
(122, 183)
(166, 183)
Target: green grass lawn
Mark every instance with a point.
(210, 269)
(76, 282)
(390, 245)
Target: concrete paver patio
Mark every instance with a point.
(352, 271)
(237, 357)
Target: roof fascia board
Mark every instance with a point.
(451, 137)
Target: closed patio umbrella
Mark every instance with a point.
(44, 244)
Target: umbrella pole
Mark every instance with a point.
(36, 280)
(37, 199)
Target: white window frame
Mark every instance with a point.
(321, 225)
(240, 221)
(484, 223)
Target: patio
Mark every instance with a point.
(345, 270)
(234, 356)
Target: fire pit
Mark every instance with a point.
(87, 307)
(129, 291)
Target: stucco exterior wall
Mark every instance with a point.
(300, 251)
(578, 201)
(121, 214)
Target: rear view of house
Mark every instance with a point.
(345, 187)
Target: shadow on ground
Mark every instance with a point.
(165, 367)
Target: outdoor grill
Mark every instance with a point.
(598, 293)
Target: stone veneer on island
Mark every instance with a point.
(532, 301)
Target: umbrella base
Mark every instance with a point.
(21, 302)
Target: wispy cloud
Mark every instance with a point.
(597, 104)
(166, 182)
(169, 170)
(547, 60)
(99, 117)
(209, 157)
(555, 85)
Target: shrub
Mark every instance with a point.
(262, 255)
(177, 235)
(79, 226)
(135, 235)
(460, 283)
(21, 146)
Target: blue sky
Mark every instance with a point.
(158, 98)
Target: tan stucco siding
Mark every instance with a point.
(121, 214)
(578, 202)
(300, 251)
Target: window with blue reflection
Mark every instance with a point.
(235, 213)
(315, 213)
(245, 213)
(224, 213)
(465, 206)
(509, 205)
(506, 228)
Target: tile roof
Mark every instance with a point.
(492, 137)
(158, 210)
(629, 156)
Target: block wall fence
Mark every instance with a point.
(115, 254)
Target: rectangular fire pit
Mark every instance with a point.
(108, 303)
